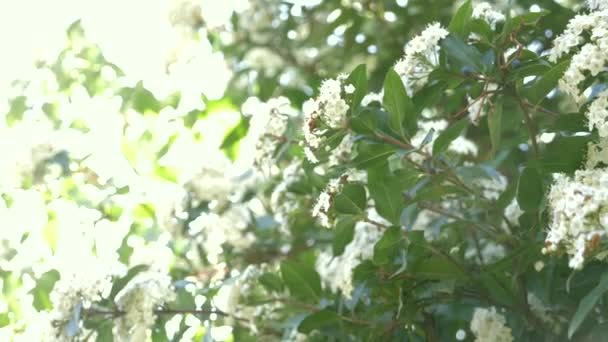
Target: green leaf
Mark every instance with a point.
(465, 55)
(402, 115)
(119, 284)
(387, 247)
(587, 304)
(351, 200)
(494, 124)
(42, 290)
(387, 194)
(460, 21)
(564, 154)
(318, 320)
(366, 121)
(572, 122)
(358, 78)
(438, 268)
(529, 189)
(302, 280)
(547, 82)
(444, 140)
(343, 234)
(372, 154)
(271, 282)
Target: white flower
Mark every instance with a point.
(420, 58)
(349, 89)
(597, 153)
(489, 326)
(485, 12)
(336, 271)
(144, 294)
(326, 111)
(597, 4)
(82, 289)
(597, 114)
(578, 212)
(267, 127)
(321, 208)
(513, 212)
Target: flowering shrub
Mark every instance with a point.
(412, 171)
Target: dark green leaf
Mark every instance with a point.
(302, 280)
(387, 194)
(119, 284)
(444, 140)
(271, 282)
(358, 78)
(402, 115)
(587, 304)
(460, 21)
(318, 320)
(351, 200)
(494, 124)
(547, 82)
(439, 268)
(529, 189)
(343, 234)
(372, 154)
(463, 54)
(387, 247)
(564, 154)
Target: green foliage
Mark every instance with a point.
(432, 211)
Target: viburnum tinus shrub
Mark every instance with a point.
(461, 198)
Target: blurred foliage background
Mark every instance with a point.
(121, 126)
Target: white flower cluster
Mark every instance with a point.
(327, 111)
(597, 114)
(78, 289)
(336, 271)
(324, 202)
(214, 230)
(283, 202)
(489, 326)
(592, 56)
(597, 4)
(138, 300)
(420, 58)
(597, 153)
(268, 127)
(485, 12)
(579, 214)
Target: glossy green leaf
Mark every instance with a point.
(388, 246)
(343, 234)
(495, 124)
(358, 78)
(351, 200)
(444, 140)
(372, 154)
(318, 320)
(402, 118)
(460, 21)
(302, 280)
(530, 190)
(463, 54)
(272, 282)
(547, 82)
(587, 304)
